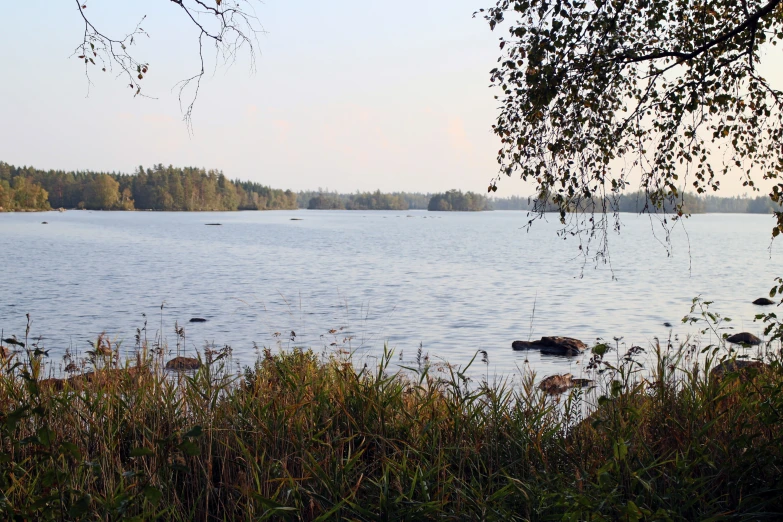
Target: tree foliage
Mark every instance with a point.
(377, 200)
(456, 200)
(597, 94)
(103, 192)
(22, 193)
(158, 188)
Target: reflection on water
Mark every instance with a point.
(455, 283)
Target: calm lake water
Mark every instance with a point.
(453, 282)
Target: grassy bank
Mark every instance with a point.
(305, 437)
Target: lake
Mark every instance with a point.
(452, 283)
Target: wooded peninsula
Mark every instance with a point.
(197, 189)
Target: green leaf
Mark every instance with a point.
(141, 452)
(620, 450)
(632, 511)
(153, 495)
(80, 507)
(69, 448)
(33, 439)
(49, 478)
(189, 448)
(46, 436)
(196, 431)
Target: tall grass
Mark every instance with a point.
(301, 437)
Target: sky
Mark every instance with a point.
(346, 95)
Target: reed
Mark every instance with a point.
(300, 436)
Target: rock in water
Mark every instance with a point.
(183, 363)
(197, 320)
(735, 367)
(552, 345)
(556, 384)
(54, 384)
(763, 301)
(581, 383)
(744, 338)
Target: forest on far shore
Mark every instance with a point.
(158, 188)
(197, 189)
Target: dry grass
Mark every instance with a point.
(303, 437)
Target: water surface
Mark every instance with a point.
(454, 283)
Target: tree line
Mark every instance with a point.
(638, 202)
(156, 188)
(197, 189)
(325, 200)
(456, 200)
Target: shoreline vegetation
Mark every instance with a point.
(196, 189)
(303, 436)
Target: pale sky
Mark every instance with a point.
(348, 95)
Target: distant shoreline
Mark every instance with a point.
(190, 189)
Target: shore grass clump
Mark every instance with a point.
(302, 436)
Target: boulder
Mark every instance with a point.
(103, 375)
(557, 384)
(77, 382)
(552, 345)
(53, 384)
(735, 366)
(763, 301)
(183, 363)
(744, 338)
(197, 320)
(581, 383)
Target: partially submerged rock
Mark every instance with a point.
(104, 375)
(763, 301)
(14, 342)
(183, 363)
(736, 366)
(54, 384)
(557, 384)
(552, 345)
(744, 338)
(197, 320)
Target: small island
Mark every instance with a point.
(456, 201)
(360, 201)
